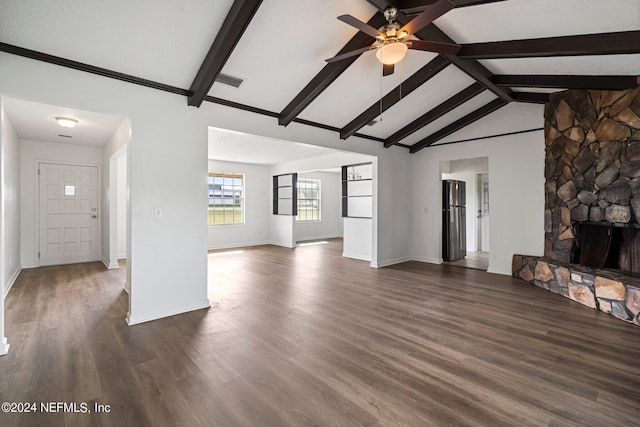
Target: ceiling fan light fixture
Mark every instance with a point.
(391, 53)
(66, 122)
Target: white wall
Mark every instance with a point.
(516, 188)
(121, 197)
(357, 242)
(330, 224)
(282, 231)
(167, 162)
(10, 265)
(257, 208)
(10, 157)
(112, 153)
(466, 170)
(31, 152)
(359, 235)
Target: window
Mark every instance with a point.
(226, 198)
(308, 200)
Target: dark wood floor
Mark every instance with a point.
(305, 337)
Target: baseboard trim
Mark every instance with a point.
(328, 236)
(356, 256)
(389, 262)
(282, 245)
(126, 289)
(504, 273)
(428, 259)
(165, 312)
(237, 245)
(121, 256)
(12, 280)
(4, 346)
(110, 265)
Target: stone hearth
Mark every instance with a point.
(613, 293)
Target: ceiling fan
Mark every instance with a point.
(392, 40)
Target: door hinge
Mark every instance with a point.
(38, 171)
(38, 254)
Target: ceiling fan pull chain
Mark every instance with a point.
(381, 78)
(401, 78)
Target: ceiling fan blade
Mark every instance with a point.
(443, 48)
(355, 22)
(387, 69)
(425, 18)
(349, 54)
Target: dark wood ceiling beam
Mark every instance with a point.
(531, 97)
(417, 6)
(435, 113)
(473, 68)
(626, 42)
(234, 25)
(329, 73)
(81, 66)
(425, 73)
(459, 124)
(568, 81)
(104, 72)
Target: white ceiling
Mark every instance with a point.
(287, 42)
(36, 121)
(163, 41)
(231, 146)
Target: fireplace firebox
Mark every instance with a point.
(607, 245)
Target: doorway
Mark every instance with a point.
(68, 204)
(475, 173)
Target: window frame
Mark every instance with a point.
(235, 208)
(301, 202)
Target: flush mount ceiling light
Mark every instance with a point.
(66, 122)
(393, 40)
(391, 53)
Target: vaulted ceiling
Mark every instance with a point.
(511, 51)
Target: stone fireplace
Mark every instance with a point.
(592, 201)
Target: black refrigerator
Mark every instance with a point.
(454, 220)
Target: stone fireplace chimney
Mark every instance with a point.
(592, 202)
(592, 168)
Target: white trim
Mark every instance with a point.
(4, 346)
(428, 259)
(126, 289)
(284, 245)
(122, 256)
(327, 236)
(27, 266)
(38, 162)
(165, 312)
(239, 245)
(356, 256)
(389, 262)
(110, 265)
(12, 280)
(505, 273)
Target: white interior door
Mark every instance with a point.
(68, 214)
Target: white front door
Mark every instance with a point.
(68, 217)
